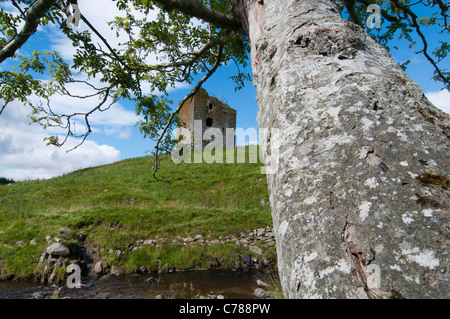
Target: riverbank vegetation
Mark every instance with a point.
(111, 211)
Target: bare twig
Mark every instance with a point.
(414, 23)
(180, 105)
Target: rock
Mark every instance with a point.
(271, 243)
(51, 278)
(164, 269)
(143, 270)
(158, 297)
(116, 271)
(19, 243)
(38, 295)
(152, 281)
(220, 297)
(188, 239)
(269, 234)
(57, 239)
(260, 232)
(65, 230)
(149, 242)
(255, 250)
(100, 267)
(48, 238)
(58, 249)
(261, 283)
(212, 295)
(42, 258)
(4, 276)
(198, 237)
(244, 242)
(261, 293)
(33, 242)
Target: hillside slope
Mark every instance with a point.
(111, 210)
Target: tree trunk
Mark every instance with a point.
(360, 200)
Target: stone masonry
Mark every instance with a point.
(203, 112)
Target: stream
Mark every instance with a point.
(184, 284)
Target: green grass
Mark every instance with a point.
(185, 257)
(116, 205)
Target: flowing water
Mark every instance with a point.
(186, 284)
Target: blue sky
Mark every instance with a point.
(24, 155)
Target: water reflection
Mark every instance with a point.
(187, 284)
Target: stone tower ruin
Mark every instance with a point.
(203, 112)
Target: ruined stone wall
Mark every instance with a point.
(186, 115)
(212, 113)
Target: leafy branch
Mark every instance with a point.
(159, 140)
(400, 16)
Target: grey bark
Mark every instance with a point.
(352, 200)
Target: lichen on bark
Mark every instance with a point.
(355, 134)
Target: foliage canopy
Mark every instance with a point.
(167, 42)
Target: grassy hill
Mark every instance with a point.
(111, 208)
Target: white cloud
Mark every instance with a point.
(24, 154)
(98, 13)
(440, 99)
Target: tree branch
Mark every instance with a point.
(350, 5)
(383, 12)
(65, 121)
(199, 10)
(194, 57)
(180, 105)
(34, 15)
(413, 22)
